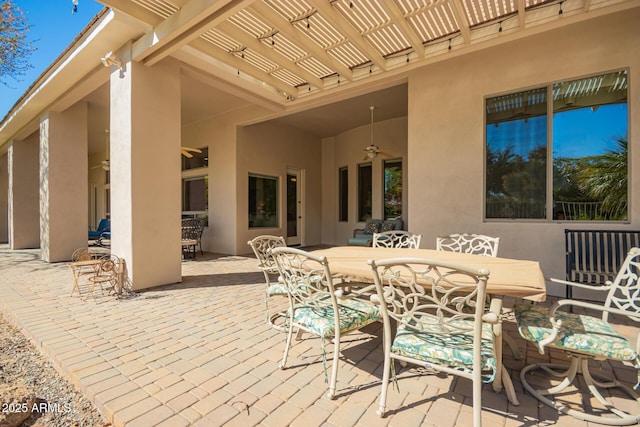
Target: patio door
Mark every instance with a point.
(295, 201)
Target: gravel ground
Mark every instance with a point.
(61, 404)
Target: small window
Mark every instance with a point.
(195, 198)
(343, 194)
(364, 191)
(107, 202)
(392, 189)
(198, 160)
(263, 201)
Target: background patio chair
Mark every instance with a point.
(261, 246)
(108, 276)
(584, 337)
(396, 239)
(314, 306)
(191, 230)
(103, 225)
(438, 309)
(478, 244)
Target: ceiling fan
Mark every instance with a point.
(105, 164)
(372, 151)
(186, 151)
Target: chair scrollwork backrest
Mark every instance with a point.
(306, 277)
(625, 289)
(396, 239)
(477, 244)
(261, 246)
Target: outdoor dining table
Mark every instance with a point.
(507, 277)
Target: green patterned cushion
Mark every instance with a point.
(579, 332)
(387, 226)
(455, 350)
(372, 227)
(353, 315)
(277, 289)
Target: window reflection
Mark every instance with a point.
(263, 201)
(364, 191)
(589, 142)
(392, 189)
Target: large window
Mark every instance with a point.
(263, 201)
(392, 189)
(364, 191)
(343, 194)
(559, 152)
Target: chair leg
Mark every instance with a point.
(568, 373)
(334, 369)
(386, 372)
(283, 363)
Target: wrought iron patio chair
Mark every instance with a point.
(396, 239)
(478, 244)
(191, 230)
(314, 306)
(584, 337)
(261, 246)
(434, 316)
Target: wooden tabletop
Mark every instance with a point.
(507, 277)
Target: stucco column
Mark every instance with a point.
(145, 171)
(4, 198)
(63, 183)
(23, 197)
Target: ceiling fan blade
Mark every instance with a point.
(195, 150)
(186, 154)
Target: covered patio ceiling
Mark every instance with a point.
(295, 51)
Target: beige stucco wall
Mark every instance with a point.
(446, 130)
(269, 149)
(4, 198)
(63, 183)
(346, 149)
(145, 140)
(219, 135)
(24, 195)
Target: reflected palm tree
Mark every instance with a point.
(604, 178)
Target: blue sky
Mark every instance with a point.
(53, 28)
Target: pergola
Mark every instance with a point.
(294, 50)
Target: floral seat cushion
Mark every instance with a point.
(444, 349)
(277, 289)
(354, 314)
(578, 333)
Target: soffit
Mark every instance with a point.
(301, 49)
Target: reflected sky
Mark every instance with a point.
(577, 133)
(586, 132)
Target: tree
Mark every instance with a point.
(15, 49)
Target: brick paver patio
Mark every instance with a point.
(200, 353)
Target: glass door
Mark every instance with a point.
(294, 207)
